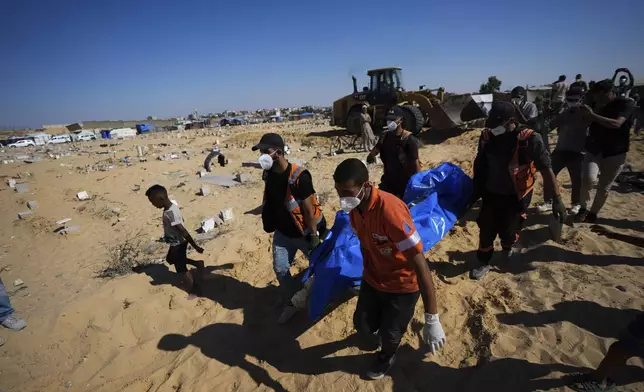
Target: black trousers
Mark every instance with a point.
(573, 161)
(388, 314)
(178, 256)
(501, 215)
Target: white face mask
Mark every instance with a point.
(348, 204)
(392, 125)
(266, 161)
(498, 130)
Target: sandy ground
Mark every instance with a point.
(552, 311)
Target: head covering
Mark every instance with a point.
(270, 140)
(517, 92)
(394, 113)
(603, 86)
(499, 114)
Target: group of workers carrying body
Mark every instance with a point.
(396, 273)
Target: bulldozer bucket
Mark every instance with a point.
(455, 110)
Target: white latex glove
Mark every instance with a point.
(433, 333)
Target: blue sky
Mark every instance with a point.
(66, 61)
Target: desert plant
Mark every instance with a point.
(123, 257)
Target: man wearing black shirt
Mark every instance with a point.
(606, 147)
(291, 211)
(398, 149)
(508, 157)
(580, 83)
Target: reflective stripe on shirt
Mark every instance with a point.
(408, 242)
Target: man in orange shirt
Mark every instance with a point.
(395, 270)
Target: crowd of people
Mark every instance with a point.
(593, 124)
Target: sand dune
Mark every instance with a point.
(552, 311)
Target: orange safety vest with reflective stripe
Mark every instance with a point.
(522, 169)
(294, 206)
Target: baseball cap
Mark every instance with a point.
(270, 140)
(394, 113)
(518, 91)
(499, 114)
(603, 86)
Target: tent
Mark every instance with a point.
(39, 138)
(121, 133)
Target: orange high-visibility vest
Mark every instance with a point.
(294, 206)
(521, 167)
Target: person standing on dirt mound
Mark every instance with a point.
(290, 210)
(368, 139)
(507, 160)
(558, 95)
(607, 145)
(398, 149)
(395, 270)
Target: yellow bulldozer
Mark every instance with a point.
(422, 108)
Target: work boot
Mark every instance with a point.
(14, 323)
(587, 384)
(287, 313)
(480, 272)
(506, 254)
(591, 217)
(545, 206)
(581, 215)
(381, 365)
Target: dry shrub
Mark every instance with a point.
(123, 257)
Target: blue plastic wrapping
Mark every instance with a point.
(435, 197)
(336, 264)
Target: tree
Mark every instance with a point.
(493, 85)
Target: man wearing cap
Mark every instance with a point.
(398, 149)
(526, 111)
(572, 127)
(368, 139)
(290, 210)
(504, 175)
(606, 147)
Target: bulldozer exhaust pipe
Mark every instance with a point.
(355, 84)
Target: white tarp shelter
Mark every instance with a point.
(40, 138)
(121, 133)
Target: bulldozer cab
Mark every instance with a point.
(384, 85)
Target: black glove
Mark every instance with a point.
(314, 241)
(559, 209)
(371, 159)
